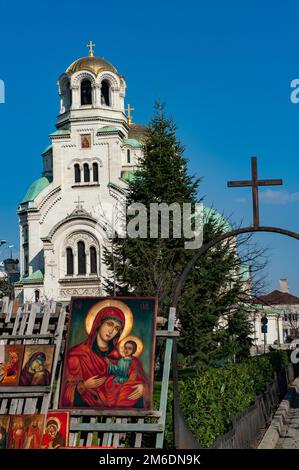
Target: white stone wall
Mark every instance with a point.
(47, 239)
(275, 327)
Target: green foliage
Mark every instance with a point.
(210, 399)
(212, 309)
(152, 266)
(279, 359)
(4, 287)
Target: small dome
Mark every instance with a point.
(35, 188)
(92, 64)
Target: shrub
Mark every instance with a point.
(210, 399)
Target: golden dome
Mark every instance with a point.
(92, 64)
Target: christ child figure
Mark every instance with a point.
(121, 368)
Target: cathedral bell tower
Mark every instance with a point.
(91, 88)
(92, 154)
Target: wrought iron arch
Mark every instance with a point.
(183, 438)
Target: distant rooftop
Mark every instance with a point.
(277, 297)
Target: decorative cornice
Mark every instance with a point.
(94, 118)
(76, 215)
(49, 208)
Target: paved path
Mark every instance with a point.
(291, 440)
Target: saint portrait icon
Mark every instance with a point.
(26, 431)
(11, 356)
(4, 429)
(85, 141)
(37, 365)
(110, 352)
(56, 430)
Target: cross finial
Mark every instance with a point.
(130, 117)
(91, 46)
(79, 205)
(254, 183)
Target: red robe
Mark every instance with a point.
(17, 439)
(83, 362)
(33, 438)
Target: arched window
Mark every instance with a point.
(70, 97)
(93, 260)
(86, 92)
(77, 173)
(36, 296)
(81, 258)
(95, 170)
(128, 156)
(69, 261)
(105, 93)
(26, 265)
(86, 172)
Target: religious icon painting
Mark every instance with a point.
(56, 430)
(11, 356)
(37, 365)
(109, 358)
(4, 430)
(26, 431)
(85, 141)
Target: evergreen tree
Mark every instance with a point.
(149, 266)
(212, 308)
(4, 287)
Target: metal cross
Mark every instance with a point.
(79, 203)
(255, 183)
(130, 117)
(91, 46)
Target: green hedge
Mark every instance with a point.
(211, 398)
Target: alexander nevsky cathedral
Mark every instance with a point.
(93, 153)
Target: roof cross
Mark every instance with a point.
(79, 206)
(130, 117)
(254, 183)
(91, 46)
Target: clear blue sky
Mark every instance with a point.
(223, 68)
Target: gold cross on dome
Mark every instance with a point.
(91, 46)
(129, 111)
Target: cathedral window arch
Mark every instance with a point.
(69, 261)
(69, 96)
(86, 92)
(36, 295)
(81, 258)
(77, 172)
(106, 93)
(86, 172)
(93, 260)
(128, 156)
(95, 172)
(26, 265)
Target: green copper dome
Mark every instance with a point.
(127, 175)
(218, 218)
(35, 188)
(133, 143)
(37, 276)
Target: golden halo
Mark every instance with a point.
(136, 340)
(95, 309)
(57, 421)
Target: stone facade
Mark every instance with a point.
(86, 167)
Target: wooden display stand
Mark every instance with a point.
(103, 428)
